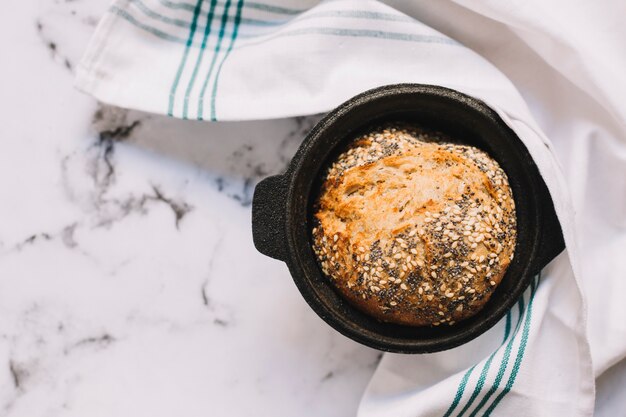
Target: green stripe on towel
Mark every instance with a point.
(216, 52)
(296, 32)
(194, 74)
(181, 66)
(152, 30)
(459, 392)
(520, 352)
(503, 365)
(483, 374)
(251, 5)
(230, 47)
(355, 14)
(507, 333)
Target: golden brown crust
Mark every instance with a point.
(414, 231)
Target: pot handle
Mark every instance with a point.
(268, 216)
(551, 243)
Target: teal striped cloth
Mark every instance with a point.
(240, 60)
(187, 47)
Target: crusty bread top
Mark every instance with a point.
(412, 230)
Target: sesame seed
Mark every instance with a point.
(433, 274)
(335, 238)
(403, 286)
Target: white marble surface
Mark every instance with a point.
(129, 285)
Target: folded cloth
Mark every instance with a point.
(237, 60)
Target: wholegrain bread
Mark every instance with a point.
(413, 229)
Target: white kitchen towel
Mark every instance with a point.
(237, 60)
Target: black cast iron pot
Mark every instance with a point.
(281, 209)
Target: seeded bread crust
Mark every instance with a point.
(413, 230)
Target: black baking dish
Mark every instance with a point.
(282, 203)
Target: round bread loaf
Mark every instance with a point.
(412, 229)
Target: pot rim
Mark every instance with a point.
(296, 260)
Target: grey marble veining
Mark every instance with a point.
(129, 284)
